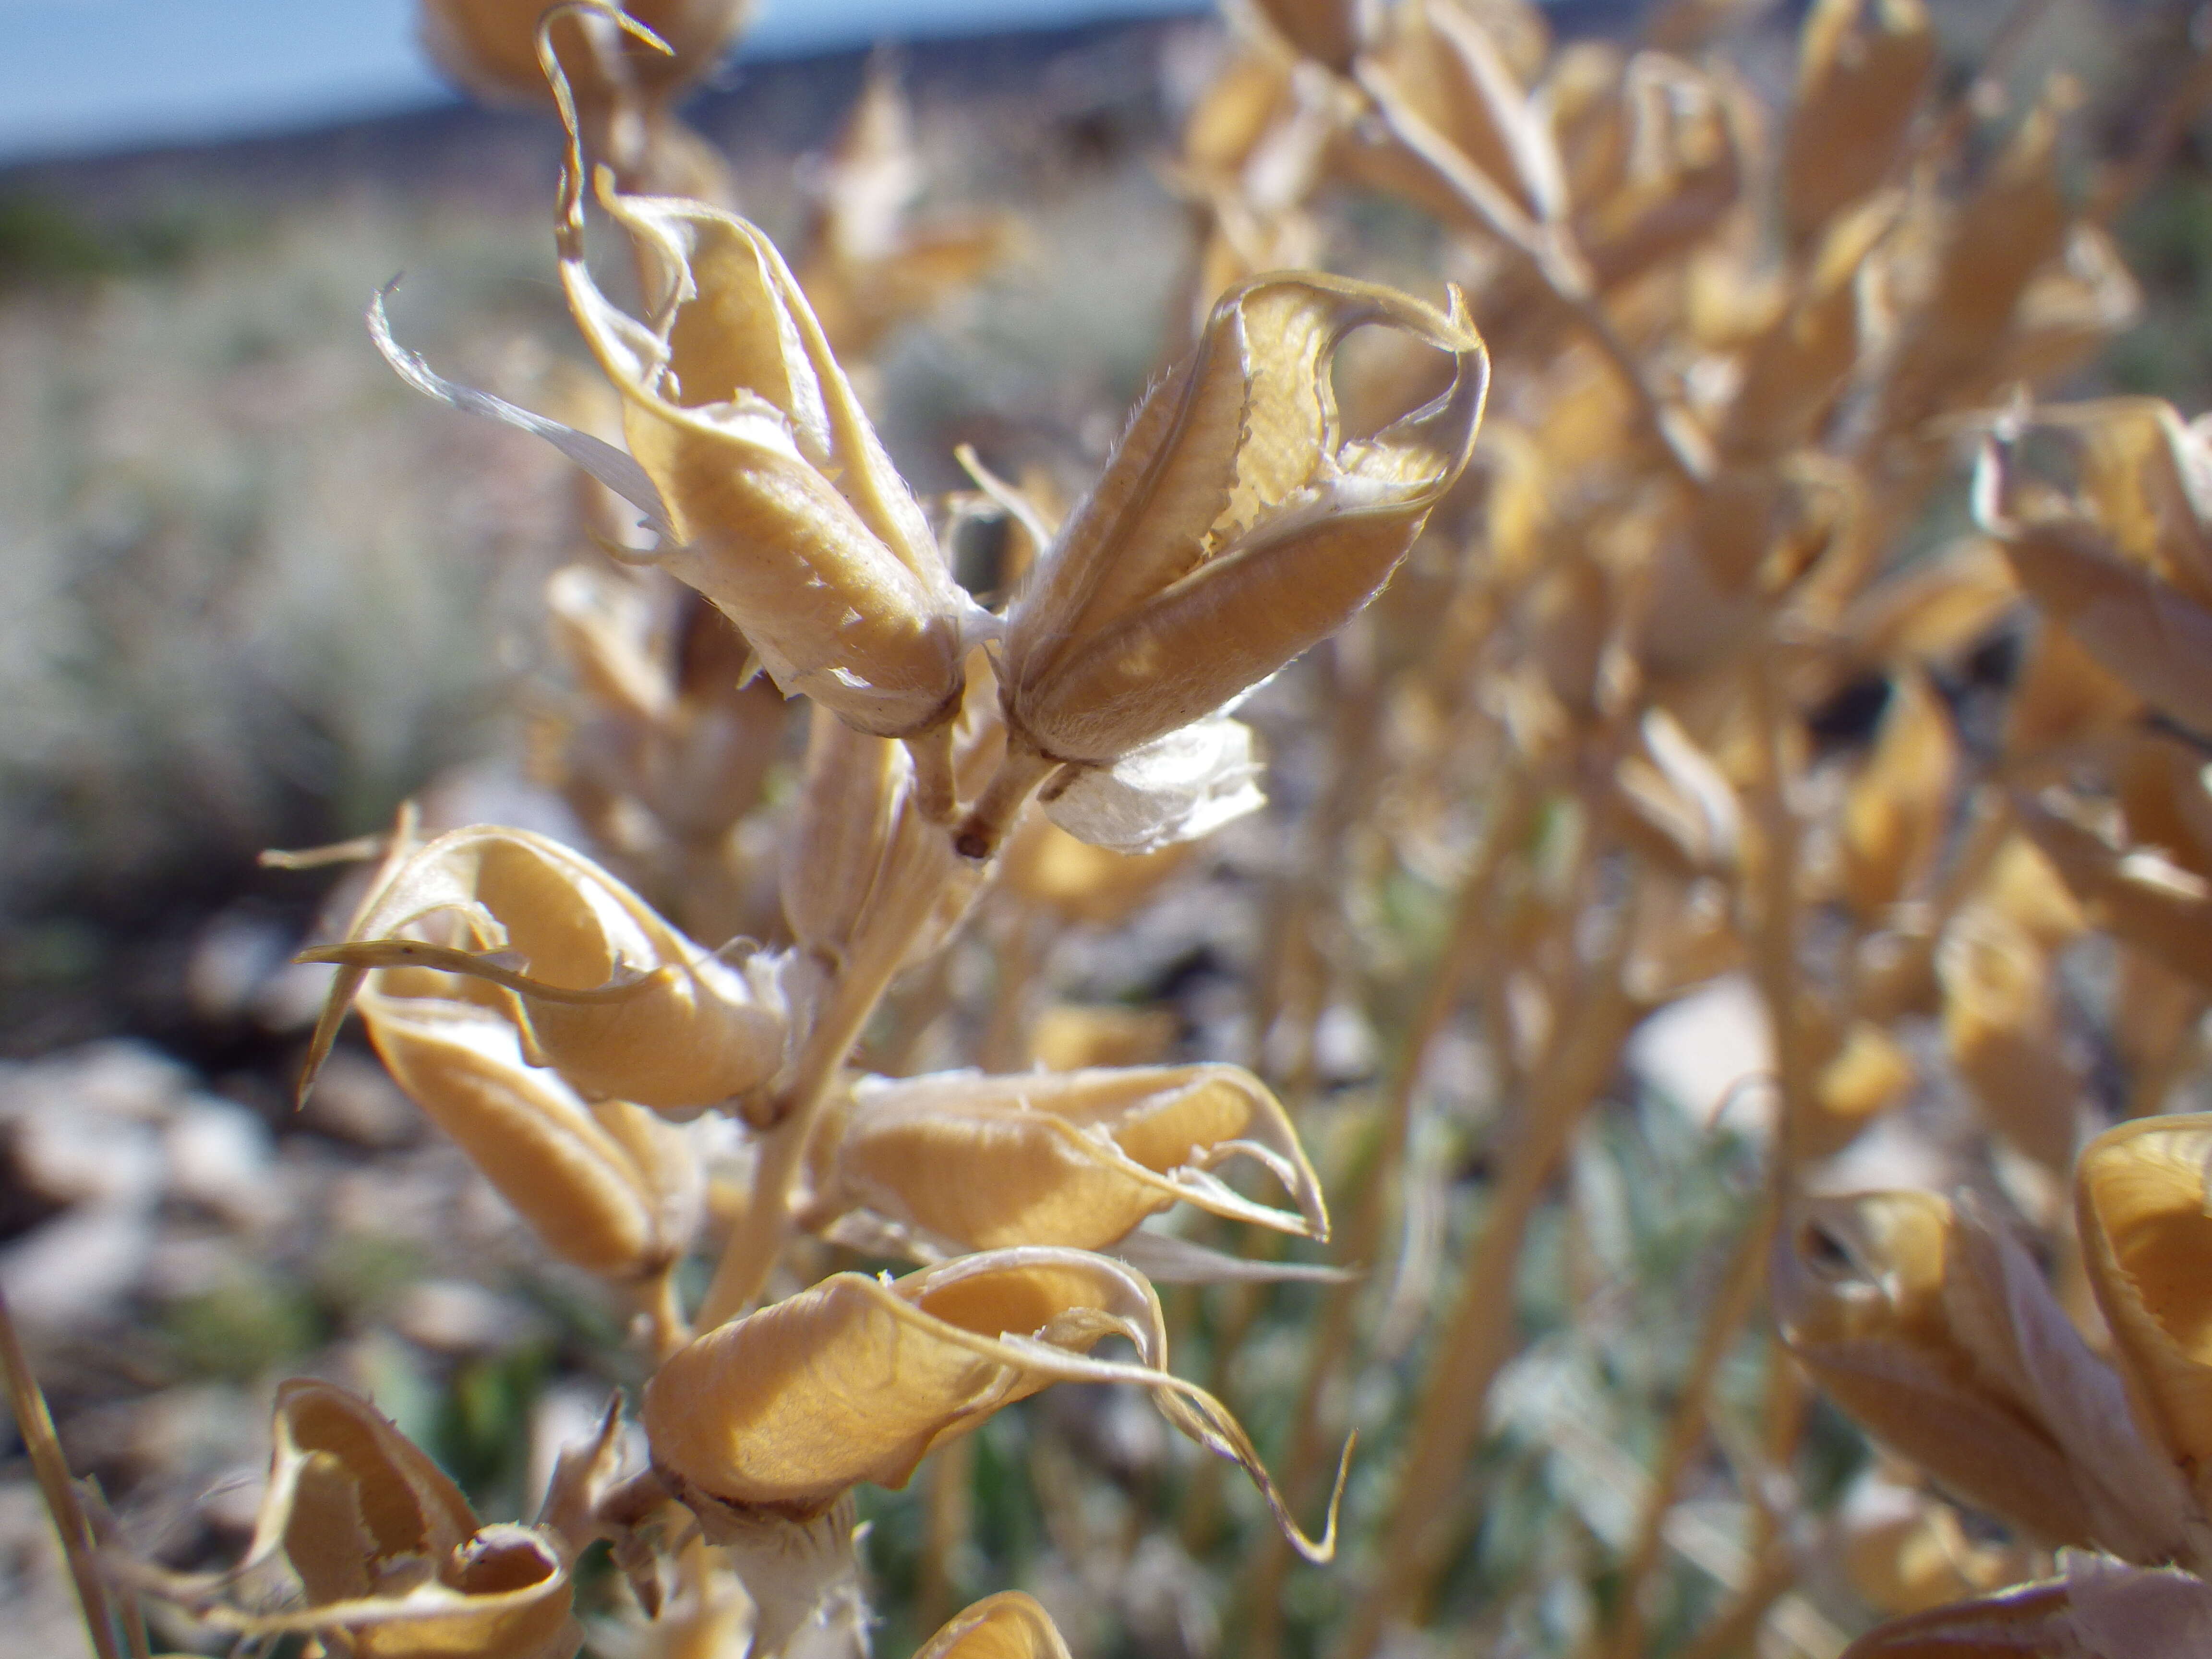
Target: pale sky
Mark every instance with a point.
(79, 75)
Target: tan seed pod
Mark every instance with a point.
(2153, 903)
(1681, 167)
(1905, 1552)
(1007, 1625)
(607, 1186)
(1069, 1037)
(2001, 1026)
(857, 1378)
(2023, 886)
(968, 1162)
(1084, 884)
(1458, 110)
(1235, 527)
(491, 46)
(1910, 1318)
(603, 990)
(860, 843)
(1863, 72)
(1899, 804)
(2029, 1621)
(2146, 1241)
(1329, 32)
(393, 1562)
(1870, 1073)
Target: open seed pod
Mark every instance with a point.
(602, 989)
(1863, 69)
(1235, 527)
(2100, 1609)
(2029, 1621)
(2124, 567)
(1942, 1340)
(857, 1378)
(1899, 804)
(1007, 1625)
(491, 46)
(2001, 1025)
(606, 1185)
(392, 1560)
(775, 496)
(2158, 906)
(967, 1162)
(1906, 1551)
(2146, 1241)
(1459, 121)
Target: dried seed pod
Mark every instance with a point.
(2029, 1621)
(1899, 804)
(1235, 527)
(857, 1378)
(2141, 629)
(2101, 1609)
(1870, 1073)
(2153, 903)
(1082, 883)
(866, 265)
(393, 1562)
(968, 1162)
(606, 1185)
(1862, 74)
(2000, 1025)
(860, 843)
(1906, 1551)
(603, 990)
(1456, 109)
(490, 47)
(2147, 1240)
(1672, 787)
(1939, 1337)
(1329, 32)
(780, 502)
(1678, 170)
(1070, 1037)
(1007, 1625)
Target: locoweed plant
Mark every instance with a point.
(1680, 680)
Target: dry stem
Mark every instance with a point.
(35, 1424)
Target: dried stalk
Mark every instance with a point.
(1361, 1243)
(35, 1424)
(1477, 1337)
(1686, 1431)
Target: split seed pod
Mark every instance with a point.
(857, 1378)
(491, 46)
(1866, 66)
(602, 989)
(1900, 804)
(751, 458)
(1941, 1337)
(1007, 1625)
(1235, 527)
(606, 1185)
(967, 1162)
(1329, 32)
(2100, 1609)
(393, 1562)
(2000, 1025)
(2147, 1240)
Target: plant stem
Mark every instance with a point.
(922, 876)
(1686, 1432)
(35, 1424)
(1361, 1242)
(1477, 1337)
